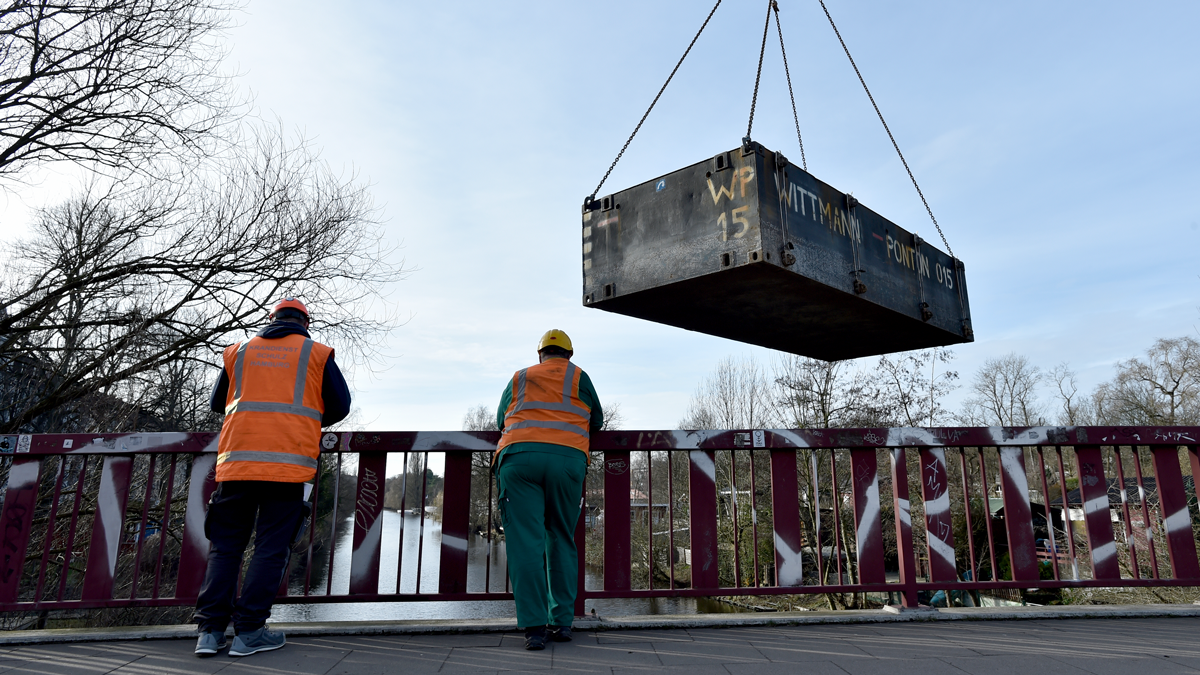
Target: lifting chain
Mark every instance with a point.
(795, 117)
(773, 6)
(757, 77)
(590, 198)
(889, 133)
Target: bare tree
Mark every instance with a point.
(1075, 407)
(480, 418)
(1004, 393)
(124, 279)
(826, 394)
(1162, 389)
(614, 419)
(109, 84)
(175, 396)
(911, 387)
(736, 396)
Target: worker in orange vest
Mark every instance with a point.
(546, 415)
(276, 390)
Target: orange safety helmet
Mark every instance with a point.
(289, 303)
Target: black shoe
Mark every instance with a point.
(535, 638)
(560, 633)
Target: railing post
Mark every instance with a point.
(1177, 520)
(939, 531)
(904, 539)
(702, 492)
(1018, 517)
(193, 557)
(617, 543)
(20, 500)
(456, 522)
(581, 551)
(108, 527)
(368, 523)
(868, 525)
(785, 520)
(1093, 491)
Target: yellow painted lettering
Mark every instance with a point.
(738, 219)
(721, 191)
(746, 174)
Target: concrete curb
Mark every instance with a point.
(650, 622)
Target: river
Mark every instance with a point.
(477, 574)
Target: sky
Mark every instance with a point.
(1056, 143)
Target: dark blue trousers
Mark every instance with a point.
(273, 513)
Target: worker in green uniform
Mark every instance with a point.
(546, 415)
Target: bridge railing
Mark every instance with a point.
(112, 520)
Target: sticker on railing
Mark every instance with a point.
(24, 442)
(8, 444)
(760, 438)
(616, 466)
(329, 441)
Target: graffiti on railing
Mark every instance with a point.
(368, 500)
(994, 506)
(14, 531)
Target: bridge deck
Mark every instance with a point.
(1098, 646)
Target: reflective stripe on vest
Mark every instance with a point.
(270, 457)
(563, 426)
(557, 422)
(273, 412)
(263, 406)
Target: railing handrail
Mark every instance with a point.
(671, 439)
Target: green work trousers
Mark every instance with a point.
(540, 495)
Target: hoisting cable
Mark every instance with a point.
(795, 117)
(625, 147)
(889, 131)
(758, 76)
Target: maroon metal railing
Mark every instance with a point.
(108, 520)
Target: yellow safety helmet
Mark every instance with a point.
(555, 338)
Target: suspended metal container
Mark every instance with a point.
(750, 247)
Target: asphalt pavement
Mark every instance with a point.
(1100, 646)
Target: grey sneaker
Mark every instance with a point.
(210, 642)
(261, 640)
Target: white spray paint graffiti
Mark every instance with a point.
(791, 569)
(1180, 520)
(905, 518)
(108, 507)
(870, 513)
(704, 463)
(202, 466)
(912, 436)
(454, 542)
(22, 475)
(1103, 553)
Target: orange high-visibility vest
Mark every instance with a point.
(272, 428)
(546, 407)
